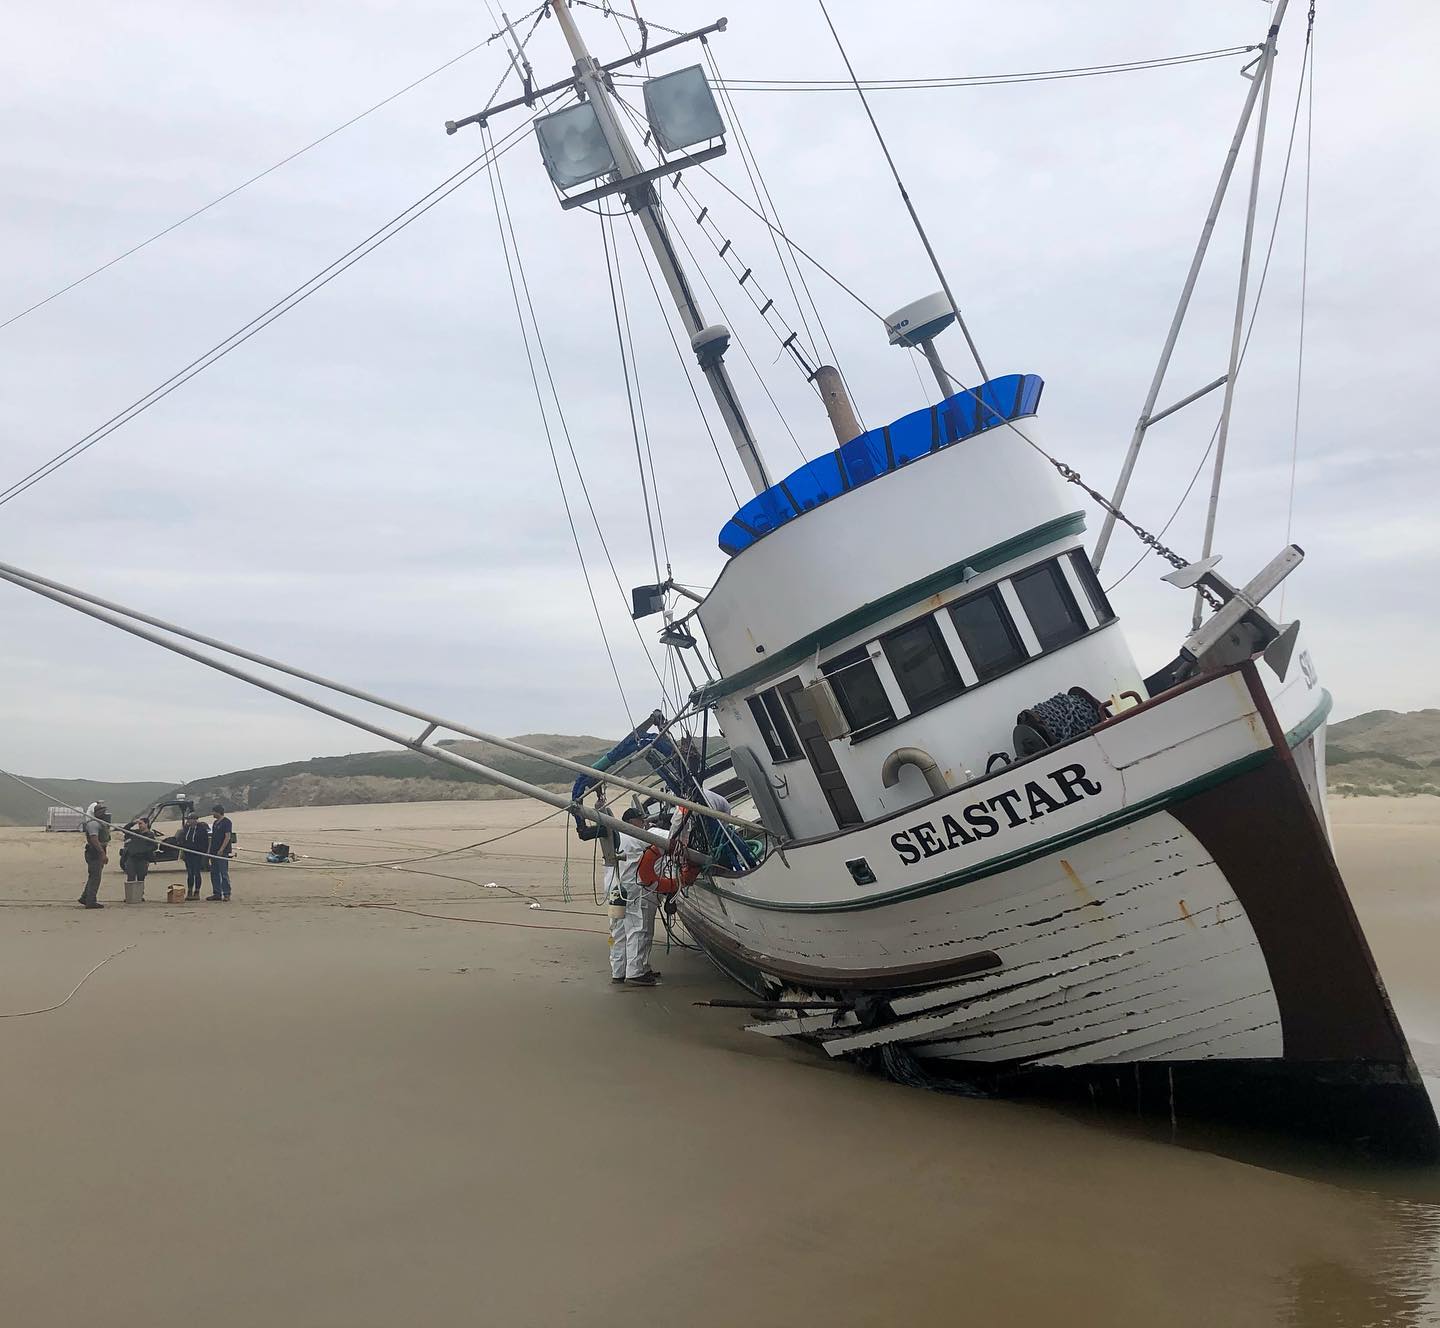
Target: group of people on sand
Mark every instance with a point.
(201, 845)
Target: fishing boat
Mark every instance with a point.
(997, 847)
(965, 837)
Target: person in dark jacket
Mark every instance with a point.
(194, 844)
(138, 852)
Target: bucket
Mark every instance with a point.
(134, 892)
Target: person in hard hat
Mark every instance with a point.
(96, 829)
(640, 906)
(194, 845)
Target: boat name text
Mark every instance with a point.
(1005, 811)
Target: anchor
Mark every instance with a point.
(1240, 627)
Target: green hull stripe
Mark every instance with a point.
(1062, 527)
(1020, 856)
(1307, 726)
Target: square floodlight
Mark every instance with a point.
(681, 109)
(573, 145)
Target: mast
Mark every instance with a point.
(1264, 75)
(1148, 413)
(708, 341)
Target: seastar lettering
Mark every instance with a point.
(1006, 810)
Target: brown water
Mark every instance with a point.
(286, 1112)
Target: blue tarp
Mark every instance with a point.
(880, 451)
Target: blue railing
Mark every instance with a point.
(881, 451)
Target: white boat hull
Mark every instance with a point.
(1156, 894)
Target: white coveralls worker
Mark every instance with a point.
(640, 907)
(616, 905)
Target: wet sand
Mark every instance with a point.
(288, 1111)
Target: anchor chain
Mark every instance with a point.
(1178, 561)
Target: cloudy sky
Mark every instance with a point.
(364, 488)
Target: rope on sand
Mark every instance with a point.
(20, 1014)
(483, 922)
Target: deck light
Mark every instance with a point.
(681, 109)
(573, 145)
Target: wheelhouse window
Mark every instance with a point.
(922, 664)
(859, 690)
(987, 633)
(1098, 601)
(1049, 604)
(775, 726)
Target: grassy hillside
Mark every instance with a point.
(19, 806)
(1386, 751)
(391, 776)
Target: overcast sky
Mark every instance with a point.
(364, 489)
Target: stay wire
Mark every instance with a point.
(1306, 77)
(762, 199)
(665, 316)
(778, 229)
(254, 179)
(629, 396)
(1304, 290)
(905, 196)
(574, 457)
(941, 81)
(277, 310)
(820, 267)
(640, 403)
(788, 338)
(502, 214)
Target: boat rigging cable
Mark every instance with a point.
(940, 82)
(279, 309)
(685, 363)
(631, 393)
(764, 200)
(905, 196)
(1304, 286)
(1307, 75)
(501, 215)
(743, 273)
(507, 225)
(255, 179)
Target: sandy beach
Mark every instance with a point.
(288, 1110)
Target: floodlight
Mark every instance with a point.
(573, 145)
(681, 109)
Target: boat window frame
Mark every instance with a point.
(1089, 580)
(764, 708)
(1007, 620)
(1052, 569)
(942, 649)
(852, 659)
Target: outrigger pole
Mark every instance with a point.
(1148, 414)
(114, 614)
